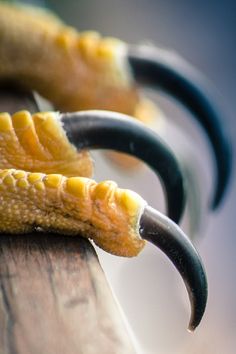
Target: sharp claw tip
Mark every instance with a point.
(192, 326)
(191, 329)
(217, 201)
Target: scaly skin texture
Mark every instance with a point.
(74, 205)
(75, 72)
(39, 143)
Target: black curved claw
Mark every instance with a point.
(110, 130)
(167, 71)
(166, 235)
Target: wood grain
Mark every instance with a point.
(54, 298)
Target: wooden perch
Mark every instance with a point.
(54, 297)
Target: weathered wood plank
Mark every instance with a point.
(54, 297)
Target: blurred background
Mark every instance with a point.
(148, 289)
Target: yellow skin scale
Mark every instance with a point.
(38, 143)
(75, 72)
(53, 201)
